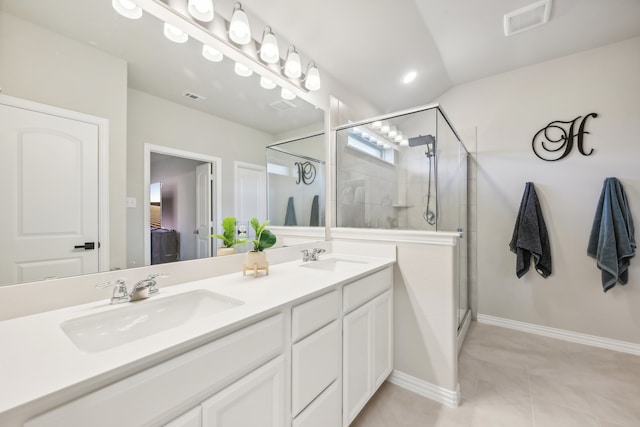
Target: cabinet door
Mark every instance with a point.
(382, 335)
(322, 412)
(255, 400)
(193, 418)
(315, 364)
(357, 361)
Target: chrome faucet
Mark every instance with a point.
(120, 293)
(143, 289)
(146, 288)
(313, 256)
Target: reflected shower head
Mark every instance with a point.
(427, 140)
(422, 140)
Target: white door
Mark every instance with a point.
(204, 211)
(251, 192)
(49, 190)
(255, 400)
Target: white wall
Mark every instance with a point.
(156, 121)
(42, 66)
(508, 109)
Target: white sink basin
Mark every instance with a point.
(132, 321)
(333, 264)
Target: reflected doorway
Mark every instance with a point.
(189, 203)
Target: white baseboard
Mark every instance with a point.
(562, 334)
(431, 391)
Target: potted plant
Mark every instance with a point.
(228, 237)
(264, 239)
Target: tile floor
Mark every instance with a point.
(514, 379)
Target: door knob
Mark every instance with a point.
(87, 246)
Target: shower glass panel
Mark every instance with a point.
(296, 182)
(408, 172)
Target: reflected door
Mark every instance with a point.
(251, 193)
(204, 210)
(49, 188)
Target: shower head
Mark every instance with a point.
(422, 140)
(427, 140)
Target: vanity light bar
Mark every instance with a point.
(239, 34)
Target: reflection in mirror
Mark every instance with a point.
(81, 56)
(155, 204)
(296, 182)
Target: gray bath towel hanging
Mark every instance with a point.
(530, 237)
(314, 220)
(612, 242)
(290, 216)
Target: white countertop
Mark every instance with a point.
(38, 360)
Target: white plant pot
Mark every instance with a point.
(256, 259)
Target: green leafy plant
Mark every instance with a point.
(264, 238)
(228, 235)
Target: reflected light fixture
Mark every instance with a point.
(404, 142)
(212, 54)
(127, 8)
(175, 34)
(384, 128)
(287, 94)
(393, 132)
(266, 83)
(242, 70)
(398, 137)
(312, 78)
(269, 51)
(239, 29)
(202, 10)
(292, 66)
(376, 125)
(409, 77)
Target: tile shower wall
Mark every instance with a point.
(367, 191)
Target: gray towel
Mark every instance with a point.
(530, 236)
(290, 216)
(612, 242)
(314, 221)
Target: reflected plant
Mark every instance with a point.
(228, 235)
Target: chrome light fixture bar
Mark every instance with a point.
(233, 39)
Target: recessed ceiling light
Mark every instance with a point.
(409, 77)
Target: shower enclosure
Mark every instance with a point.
(407, 171)
(296, 185)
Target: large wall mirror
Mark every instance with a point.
(81, 56)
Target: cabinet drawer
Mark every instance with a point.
(357, 293)
(149, 397)
(324, 411)
(313, 315)
(315, 364)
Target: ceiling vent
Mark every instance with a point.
(527, 18)
(282, 105)
(194, 96)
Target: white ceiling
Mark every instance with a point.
(366, 45)
(369, 44)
